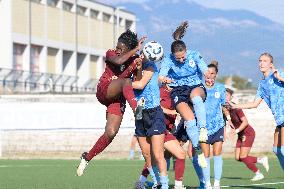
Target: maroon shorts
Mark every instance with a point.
(169, 136)
(246, 138)
(115, 106)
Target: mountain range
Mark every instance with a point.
(235, 38)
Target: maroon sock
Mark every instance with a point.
(100, 145)
(179, 169)
(129, 95)
(145, 171)
(250, 162)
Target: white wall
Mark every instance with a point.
(56, 115)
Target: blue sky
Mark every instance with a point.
(272, 9)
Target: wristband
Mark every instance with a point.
(228, 117)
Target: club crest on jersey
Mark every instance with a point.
(191, 63)
(217, 95)
(176, 99)
(270, 81)
(122, 67)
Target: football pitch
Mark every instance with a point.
(119, 174)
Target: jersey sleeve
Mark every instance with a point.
(110, 53)
(200, 62)
(165, 67)
(259, 93)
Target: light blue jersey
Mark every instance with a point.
(151, 92)
(271, 91)
(187, 73)
(216, 97)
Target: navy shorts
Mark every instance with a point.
(182, 93)
(180, 133)
(280, 126)
(152, 123)
(216, 137)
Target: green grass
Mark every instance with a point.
(115, 174)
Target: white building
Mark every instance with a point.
(47, 36)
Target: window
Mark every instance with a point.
(106, 17)
(115, 20)
(94, 14)
(52, 3)
(81, 10)
(67, 6)
(128, 24)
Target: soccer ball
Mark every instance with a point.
(153, 51)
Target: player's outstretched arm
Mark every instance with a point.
(248, 105)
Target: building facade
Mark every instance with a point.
(59, 37)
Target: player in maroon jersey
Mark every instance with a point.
(114, 89)
(246, 135)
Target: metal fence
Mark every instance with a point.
(20, 81)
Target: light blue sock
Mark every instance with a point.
(164, 182)
(218, 167)
(278, 152)
(131, 154)
(192, 132)
(200, 111)
(152, 175)
(206, 171)
(168, 164)
(157, 173)
(197, 169)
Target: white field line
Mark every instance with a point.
(260, 184)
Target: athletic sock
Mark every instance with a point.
(277, 152)
(179, 169)
(250, 162)
(152, 175)
(197, 169)
(218, 167)
(145, 171)
(164, 182)
(206, 171)
(157, 173)
(192, 132)
(199, 110)
(131, 154)
(168, 160)
(129, 95)
(100, 145)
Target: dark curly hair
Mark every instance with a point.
(129, 38)
(178, 45)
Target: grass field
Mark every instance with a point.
(118, 174)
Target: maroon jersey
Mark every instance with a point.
(124, 70)
(116, 70)
(236, 115)
(166, 102)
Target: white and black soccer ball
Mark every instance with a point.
(153, 51)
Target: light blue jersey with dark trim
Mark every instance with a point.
(271, 91)
(216, 97)
(187, 73)
(151, 92)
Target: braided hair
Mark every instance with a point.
(129, 38)
(178, 45)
